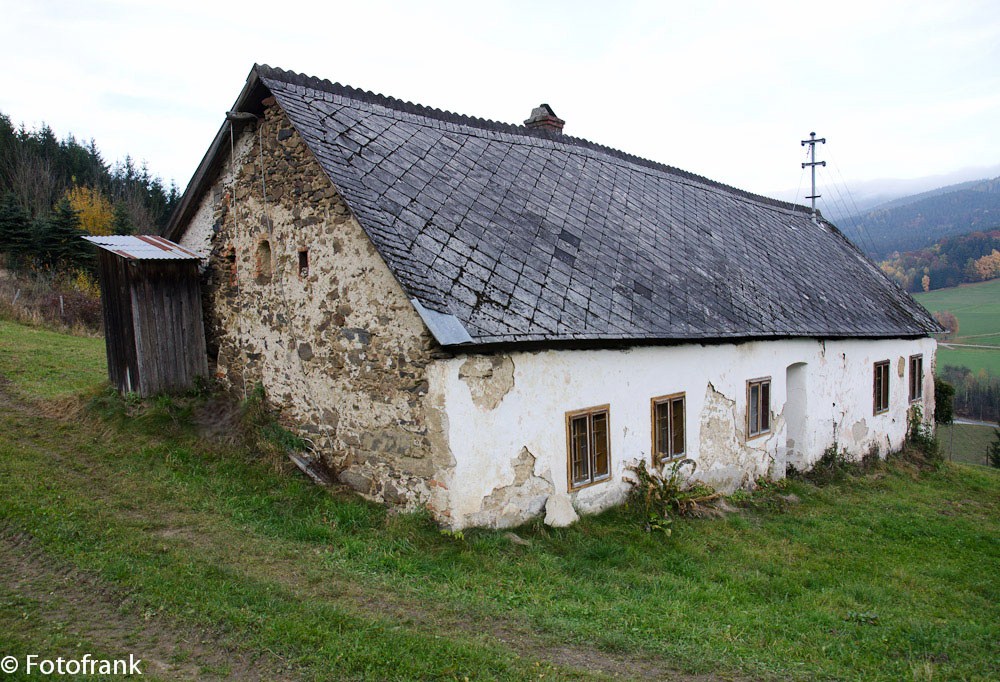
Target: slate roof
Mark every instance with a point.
(528, 236)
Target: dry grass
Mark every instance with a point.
(63, 304)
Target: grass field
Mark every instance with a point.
(130, 534)
(965, 442)
(45, 364)
(977, 307)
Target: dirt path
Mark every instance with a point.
(968, 345)
(56, 598)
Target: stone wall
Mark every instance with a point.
(299, 301)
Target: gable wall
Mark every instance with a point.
(507, 424)
(340, 352)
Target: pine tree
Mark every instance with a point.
(60, 244)
(15, 231)
(993, 450)
(121, 223)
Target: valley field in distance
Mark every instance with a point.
(977, 307)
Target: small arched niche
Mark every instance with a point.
(263, 266)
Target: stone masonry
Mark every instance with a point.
(301, 302)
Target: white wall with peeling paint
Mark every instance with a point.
(490, 427)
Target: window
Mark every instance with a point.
(916, 378)
(758, 407)
(303, 263)
(589, 449)
(881, 389)
(229, 255)
(668, 427)
(263, 261)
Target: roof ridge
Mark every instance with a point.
(369, 97)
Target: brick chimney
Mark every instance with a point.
(544, 119)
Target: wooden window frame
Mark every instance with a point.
(880, 388)
(916, 378)
(760, 382)
(655, 403)
(589, 413)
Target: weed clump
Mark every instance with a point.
(659, 496)
(833, 467)
(766, 495)
(921, 450)
(206, 411)
(261, 434)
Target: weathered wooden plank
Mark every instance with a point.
(154, 328)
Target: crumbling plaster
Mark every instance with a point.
(338, 348)
(527, 413)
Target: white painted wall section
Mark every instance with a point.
(487, 437)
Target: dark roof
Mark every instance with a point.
(531, 236)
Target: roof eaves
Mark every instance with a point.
(447, 329)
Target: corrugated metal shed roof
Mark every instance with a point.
(143, 247)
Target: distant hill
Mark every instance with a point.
(866, 195)
(918, 221)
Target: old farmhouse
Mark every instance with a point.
(489, 320)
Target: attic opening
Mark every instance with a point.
(303, 263)
(229, 256)
(263, 261)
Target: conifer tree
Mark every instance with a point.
(60, 244)
(15, 231)
(121, 223)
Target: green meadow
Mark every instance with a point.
(977, 307)
(124, 529)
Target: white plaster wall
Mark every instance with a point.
(198, 235)
(485, 442)
(200, 230)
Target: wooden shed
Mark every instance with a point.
(153, 328)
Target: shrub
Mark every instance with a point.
(944, 396)
(993, 450)
(660, 496)
(67, 302)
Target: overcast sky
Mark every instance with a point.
(723, 89)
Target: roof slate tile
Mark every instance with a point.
(526, 238)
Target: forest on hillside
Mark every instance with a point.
(968, 258)
(54, 190)
(918, 222)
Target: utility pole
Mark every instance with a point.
(812, 163)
